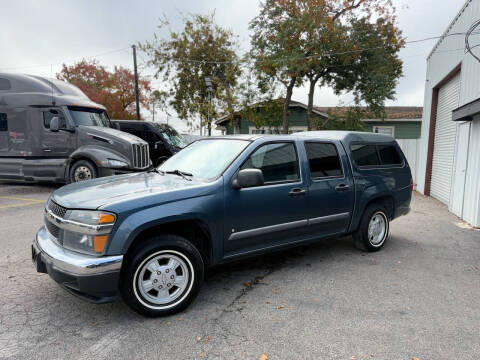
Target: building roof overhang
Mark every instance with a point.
(466, 112)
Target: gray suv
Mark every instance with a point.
(50, 130)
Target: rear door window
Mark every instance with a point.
(389, 155)
(323, 160)
(278, 162)
(365, 155)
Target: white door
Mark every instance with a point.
(460, 168)
(444, 145)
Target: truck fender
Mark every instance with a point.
(95, 154)
(142, 220)
(364, 201)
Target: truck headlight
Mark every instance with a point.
(116, 164)
(87, 231)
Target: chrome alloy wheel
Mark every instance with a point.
(377, 229)
(82, 173)
(163, 279)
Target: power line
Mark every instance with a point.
(240, 63)
(186, 60)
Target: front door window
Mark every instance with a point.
(278, 162)
(49, 115)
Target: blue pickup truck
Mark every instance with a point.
(149, 236)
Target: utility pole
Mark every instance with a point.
(137, 102)
(153, 111)
(208, 84)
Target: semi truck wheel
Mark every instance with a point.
(163, 276)
(373, 230)
(82, 170)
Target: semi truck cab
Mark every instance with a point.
(51, 131)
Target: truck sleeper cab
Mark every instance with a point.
(149, 236)
(50, 131)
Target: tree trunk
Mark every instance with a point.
(313, 83)
(286, 105)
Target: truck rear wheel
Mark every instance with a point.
(163, 276)
(82, 170)
(373, 230)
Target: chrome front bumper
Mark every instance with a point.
(92, 278)
(72, 262)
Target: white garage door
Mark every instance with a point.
(445, 135)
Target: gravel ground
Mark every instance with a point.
(417, 298)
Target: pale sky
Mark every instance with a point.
(38, 36)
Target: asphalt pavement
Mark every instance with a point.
(418, 298)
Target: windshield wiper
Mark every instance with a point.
(183, 174)
(155, 170)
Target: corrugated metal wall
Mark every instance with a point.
(445, 135)
(446, 55)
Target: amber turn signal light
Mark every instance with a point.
(99, 243)
(104, 218)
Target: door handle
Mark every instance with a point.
(297, 192)
(342, 187)
(47, 150)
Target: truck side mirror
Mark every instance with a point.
(54, 124)
(248, 178)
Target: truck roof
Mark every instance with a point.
(32, 90)
(343, 136)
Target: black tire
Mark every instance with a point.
(361, 238)
(145, 252)
(89, 168)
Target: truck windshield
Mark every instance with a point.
(89, 116)
(205, 159)
(172, 136)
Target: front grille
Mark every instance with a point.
(56, 209)
(140, 156)
(52, 229)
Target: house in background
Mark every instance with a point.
(297, 122)
(449, 156)
(400, 122)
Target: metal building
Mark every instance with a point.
(449, 158)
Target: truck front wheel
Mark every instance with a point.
(373, 230)
(82, 170)
(162, 276)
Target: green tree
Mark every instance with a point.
(325, 41)
(202, 49)
(276, 49)
(257, 105)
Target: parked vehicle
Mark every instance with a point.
(51, 131)
(189, 138)
(163, 140)
(151, 235)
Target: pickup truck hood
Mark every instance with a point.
(102, 192)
